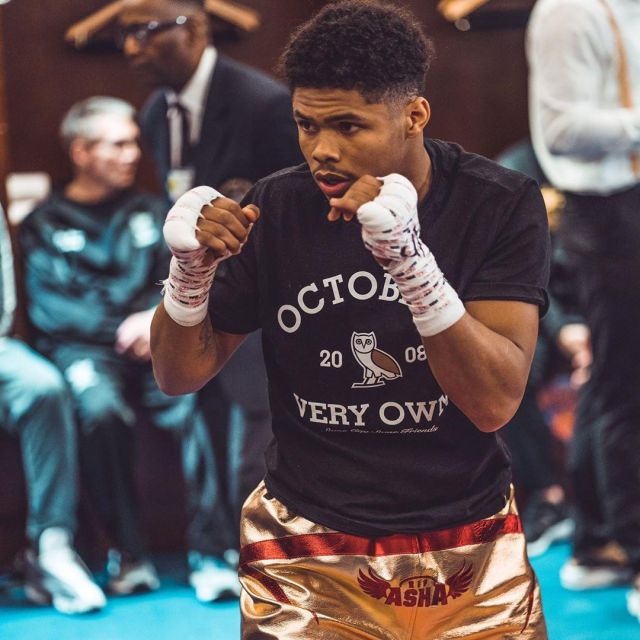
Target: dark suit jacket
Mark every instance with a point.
(247, 128)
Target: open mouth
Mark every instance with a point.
(333, 185)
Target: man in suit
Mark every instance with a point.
(212, 120)
(238, 120)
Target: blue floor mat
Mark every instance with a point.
(591, 615)
(171, 613)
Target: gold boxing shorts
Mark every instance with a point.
(302, 581)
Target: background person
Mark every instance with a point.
(35, 406)
(563, 344)
(584, 60)
(211, 120)
(93, 256)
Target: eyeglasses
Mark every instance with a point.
(143, 31)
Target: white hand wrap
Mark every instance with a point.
(186, 290)
(391, 231)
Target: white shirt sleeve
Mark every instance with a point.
(570, 53)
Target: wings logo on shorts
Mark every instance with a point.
(378, 366)
(417, 591)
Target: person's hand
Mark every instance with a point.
(133, 336)
(202, 229)
(574, 341)
(224, 227)
(390, 225)
(387, 209)
(204, 219)
(363, 190)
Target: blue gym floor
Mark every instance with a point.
(173, 614)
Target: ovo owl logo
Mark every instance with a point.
(378, 366)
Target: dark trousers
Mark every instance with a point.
(602, 237)
(35, 406)
(236, 406)
(111, 393)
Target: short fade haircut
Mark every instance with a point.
(80, 121)
(377, 49)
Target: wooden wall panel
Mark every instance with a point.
(477, 89)
(4, 127)
(45, 75)
(477, 85)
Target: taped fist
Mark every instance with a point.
(390, 225)
(387, 209)
(202, 229)
(204, 218)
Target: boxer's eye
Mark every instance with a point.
(305, 125)
(348, 127)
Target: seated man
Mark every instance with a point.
(94, 258)
(35, 406)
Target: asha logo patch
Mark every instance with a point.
(417, 591)
(378, 366)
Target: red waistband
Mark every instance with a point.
(342, 544)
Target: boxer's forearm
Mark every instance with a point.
(480, 357)
(202, 229)
(186, 358)
(482, 361)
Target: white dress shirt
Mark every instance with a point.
(582, 135)
(193, 98)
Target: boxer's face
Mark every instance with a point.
(110, 158)
(343, 137)
(167, 56)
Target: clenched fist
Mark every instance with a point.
(202, 229)
(203, 217)
(387, 209)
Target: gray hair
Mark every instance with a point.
(80, 120)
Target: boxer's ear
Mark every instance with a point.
(417, 114)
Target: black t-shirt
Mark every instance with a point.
(385, 453)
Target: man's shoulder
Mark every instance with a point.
(153, 107)
(43, 211)
(581, 5)
(575, 11)
(246, 78)
(57, 207)
(474, 171)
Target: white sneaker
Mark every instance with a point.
(212, 578)
(58, 576)
(232, 558)
(581, 577)
(633, 601)
(126, 578)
